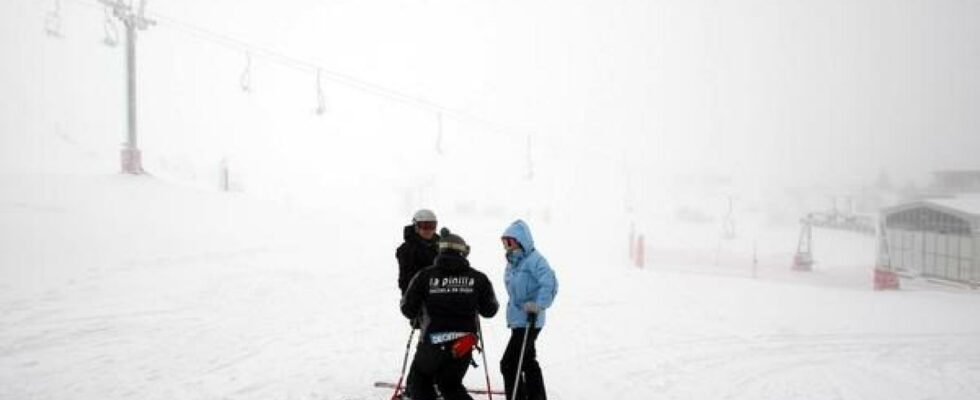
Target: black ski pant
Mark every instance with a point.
(531, 384)
(435, 364)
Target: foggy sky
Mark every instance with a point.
(810, 91)
(749, 85)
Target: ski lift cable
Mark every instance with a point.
(254, 51)
(273, 56)
(306, 66)
(312, 67)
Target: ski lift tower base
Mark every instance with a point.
(132, 161)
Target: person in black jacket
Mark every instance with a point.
(447, 296)
(418, 251)
(420, 247)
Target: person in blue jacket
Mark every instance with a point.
(531, 288)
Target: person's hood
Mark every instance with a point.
(520, 231)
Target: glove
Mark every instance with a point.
(416, 322)
(531, 307)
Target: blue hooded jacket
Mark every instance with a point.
(528, 277)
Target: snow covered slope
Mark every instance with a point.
(118, 287)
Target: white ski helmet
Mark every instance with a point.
(424, 215)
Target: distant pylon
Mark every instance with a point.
(131, 158)
(884, 277)
(803, 260)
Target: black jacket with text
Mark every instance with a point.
(449, 295)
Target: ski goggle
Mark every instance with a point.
(510, 243)
(426, 225)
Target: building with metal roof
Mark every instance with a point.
(938, 238)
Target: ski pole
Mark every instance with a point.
(408, 348)
(483, 351)
(531, 317)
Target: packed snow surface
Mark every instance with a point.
(121, 287)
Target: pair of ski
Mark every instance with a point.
(399, 389)
(531, 320)
(390, 385)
